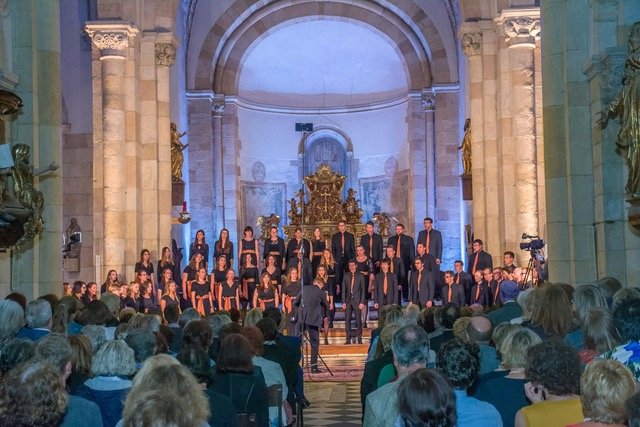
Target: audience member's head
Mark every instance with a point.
(55, 350)
(598, 331)
(450, 313)
(38, 314)
(81, 354)
(252, 317)
(427, 319)
(19, 298)
(516, 346)
(584, 298)
(426, 399)
(609, 286)
(197, 333)
(605, 386)
(633, 411)
(386, 335)
(122, 331)
(273, 313)
(509, 291)
(411, 313)
(555, 367)
(410, 347)
(114, 359)
(112, 302)
(552, 311)
(172, 313)
(126, 314)
(11, 319)
(256, 339)
(143, 343)
(235, 355)
(269, 328)
(32, 395)
(96, 313)
(96, 334)
(460, 328)
(149, 404)
(231, 328)
(189, 315)
(480, 329)
(526, 300)
(13, 352)
(623, 295)
(626, 319)
(394, 314)
(217, 321)
(459, 362)
(234, 314)
(197, 361)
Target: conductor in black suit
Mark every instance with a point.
(343, 247)
(313, 302)
(405, 250)
(431, 239)
(372, 244)
(354, 292)
(479, 259)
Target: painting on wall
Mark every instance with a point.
(385, 194)
(262, 199)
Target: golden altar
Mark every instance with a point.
(325, 207)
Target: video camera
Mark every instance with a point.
(534, 245)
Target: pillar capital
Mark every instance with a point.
(111, 38)
(428, 100)
(521, 27)
(165, 54)
(472, 43)
(218, 105)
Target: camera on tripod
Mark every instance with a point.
(534, 245)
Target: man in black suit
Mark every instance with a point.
(421, 285)
(386, 285)
(353, 291)
(372, 244)
(452, 293)
(343, 248)
(508, 257)
(431, 239)
(479, 259)
(405, 250)
(463, 278)
(479, 291)
(312, 299)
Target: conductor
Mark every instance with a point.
(312, 299)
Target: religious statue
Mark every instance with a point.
(466, 148)
(294, 214)
(383, 221)
(74, 240)
(626, 107)
(350, 207)
(266, 222)
(23, 179)
(177, 157)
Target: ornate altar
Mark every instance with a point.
(325, 207)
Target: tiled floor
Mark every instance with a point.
(333, 404)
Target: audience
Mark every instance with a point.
(81, 356)
(552, 315)
(14, 352)
(479, 331)
(626, 320)
(585, 298)
(11, 319)
(143, 343)
(426, 399)
(552, 371)
(510, 309)
(38, 316)
(459, 362)
(599, 334)
(633, 411)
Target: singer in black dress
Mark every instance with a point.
(289, 293)
(200, 245)
(223, 246)
(266, 295)
(228, 293)
(250, 277)
(275, 274)
(201, 293)
(318, 245)
(248, 245)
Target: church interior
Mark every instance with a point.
(131, 126)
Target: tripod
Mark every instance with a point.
(529, 271)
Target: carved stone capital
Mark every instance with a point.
(428, 101)
(472, 44)
(522, 30)
(218, 108)
(112, 39)
(165, 54)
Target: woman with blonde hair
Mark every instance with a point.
(289, 293)
(201, 298)
(149, 404)
(328, 290)
(189, 275)
(252, 317)
(170, 296)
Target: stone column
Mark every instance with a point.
(521, 32)
(429, 106)
(111, 40)
(218, 165)
(165, 50)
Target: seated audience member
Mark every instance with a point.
(197, 333)
(80, 362)
(238, 379)
(125, 315)
(252, 317)
(197, 361)
(599, 333)
(216, 321)
(113, 303)
(506, 392)
(605, 387)
(97, 336)
(425, 398)
(14, 352)
(122, 331)
(172, 315)
(375, 334)
(510, 309)
(500, 334)
(626, 320)
(609, 286)
(11, 319)
(585, 298)
(450, 313)
(633, 411)
(552, 316)
(373, 368)
(188, 315)
(272, 372)
(143, 343)
(460, 328)
(55, 350)
(111, 368)
(552, 371)
(459, 362)
(19, 298)
(97, 313)
(150, 404)
(624, 294)
(525, 302)
(276, 351)
(410, 347)
(479, 331)
(39, 318)
(32, 395)
(73, 326)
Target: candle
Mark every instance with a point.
(184, 206)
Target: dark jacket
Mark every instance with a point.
(356, 296)
(457, 295)
(435, 242)
(314, 300)
(484, 261)
(248, 392)
(376, 253)
(423, 291)
(108, 394)
(392, 289)
(349, 247)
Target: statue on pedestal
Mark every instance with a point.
(626, 107)
(74, 240)
(466, 148)
(177, 158)
(351, 208)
